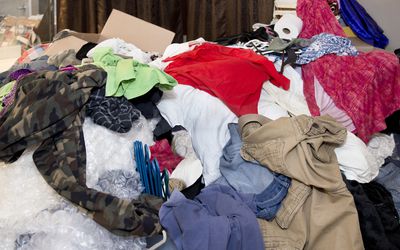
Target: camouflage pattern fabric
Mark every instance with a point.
(49, 109)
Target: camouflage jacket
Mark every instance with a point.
(49, 110)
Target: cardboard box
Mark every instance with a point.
(144, 35)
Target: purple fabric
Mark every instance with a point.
(19, 73)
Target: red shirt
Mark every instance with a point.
(233, 75)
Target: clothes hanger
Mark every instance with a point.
(161, 242)
(154, 182)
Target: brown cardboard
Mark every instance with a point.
(70, 42)
(89, 37)
(144, 35)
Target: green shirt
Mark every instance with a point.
(128, 77)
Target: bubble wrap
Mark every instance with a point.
(34, 216)
(67, 228)
(109, 150)
(120, 183)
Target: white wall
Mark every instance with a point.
(13, 7)
(10, 7)
(387, 14)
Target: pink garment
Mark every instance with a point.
(165, 157)
(328, 107)
(317, 18)
(68, 68)
(366, 87)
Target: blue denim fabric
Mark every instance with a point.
(266, 189)
(269, 201)
(389, 177)
(243, 176)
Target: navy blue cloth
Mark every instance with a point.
(269, 201)
(268, 188)
(218, 218)
(362, 23)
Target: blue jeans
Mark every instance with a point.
(269, 201)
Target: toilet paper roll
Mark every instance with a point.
(288, 26)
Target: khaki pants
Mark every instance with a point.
(318, 212)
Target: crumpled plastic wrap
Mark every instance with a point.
(120, 183)
(34, 216)
(109, 150)
(67, 228)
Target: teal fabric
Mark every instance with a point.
(128, 77)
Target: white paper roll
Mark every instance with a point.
(288, 26)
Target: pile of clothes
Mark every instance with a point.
(263, 143)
